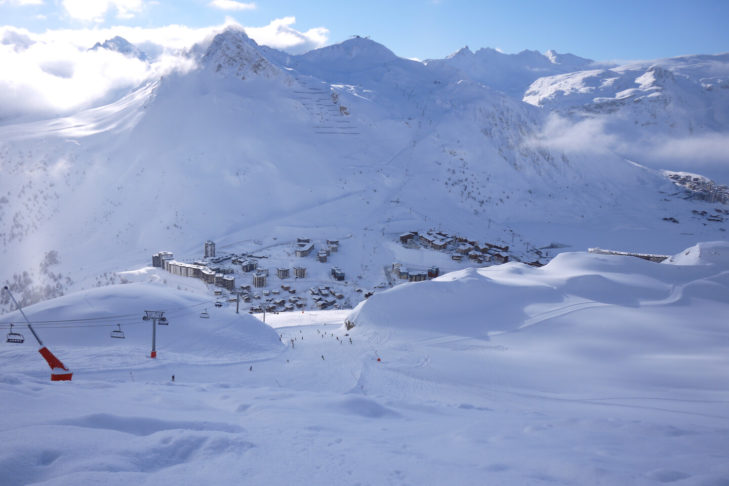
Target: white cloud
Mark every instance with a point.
(587, 136)
(280, 34)
(21, 3)
(96, 10)
(54, 73)
(232, 5)
(705, 149)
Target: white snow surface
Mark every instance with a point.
(594, 369)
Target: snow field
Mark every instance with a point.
(592, 370)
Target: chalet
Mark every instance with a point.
(439, 244)
(282, 273)
(337, 273)
(426, 239)
(300, 272)
(464, 248)
(499, 258)
(322, 256)
(475, 256)
(408, 237)
(503, 249)
(403, 273)
(417, 276)
(433, 272)
(333, 245)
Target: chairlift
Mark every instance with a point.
(163, 321)
(118, 333)
(204, 314)
(14, 337)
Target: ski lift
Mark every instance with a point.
(14, 337)
(163, 321)
(204, 314)
(218, 304)
(118, 333)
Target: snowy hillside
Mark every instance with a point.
(669, 113)
(594, 369)
(254, 148)
(510, 73)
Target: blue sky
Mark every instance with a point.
(601, 30)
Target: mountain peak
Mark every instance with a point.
(360, 48)
(463, 52)
(121, 45)
(233, 52)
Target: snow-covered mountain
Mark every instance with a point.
(348, 141)
(668, 112)
(121, 45)
(510, 73)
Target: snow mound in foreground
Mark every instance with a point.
(708, 253)
(504, 298)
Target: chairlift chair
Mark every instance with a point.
(118, 333)
(14, 337)
(163, 321)
(204, 314)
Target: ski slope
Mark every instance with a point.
(594, 369)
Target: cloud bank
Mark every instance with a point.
(55, 72)
(705, 153)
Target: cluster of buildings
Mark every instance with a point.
(414, 275)
(219, 270)
(701, 188)
(458, 246)
(304, 247)
(166, 261)
(324, 296)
